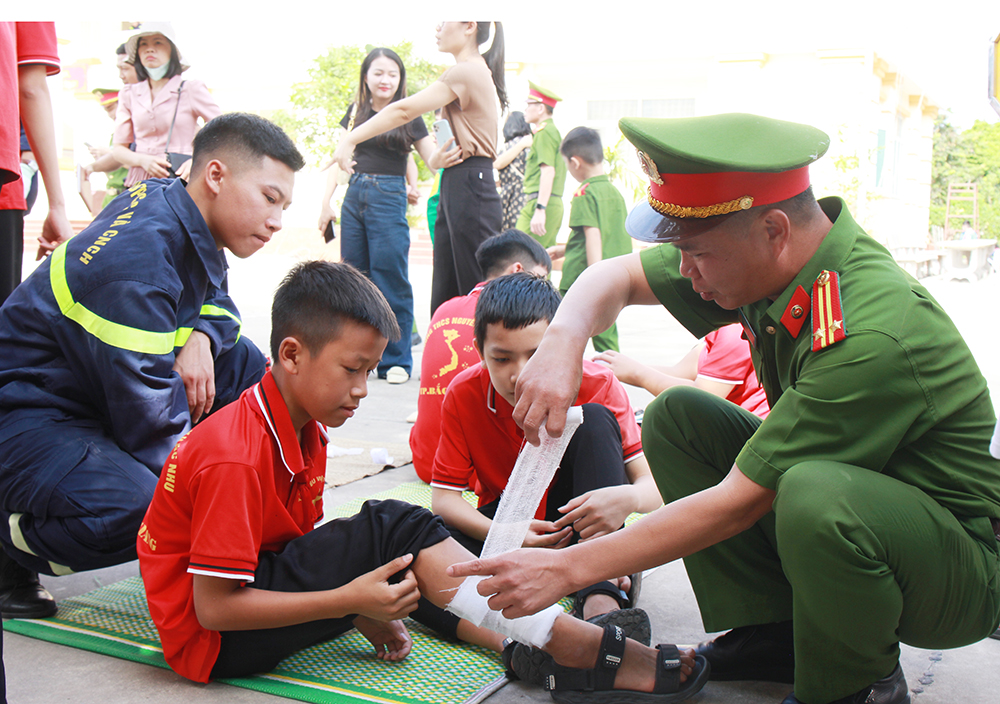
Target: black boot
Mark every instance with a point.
(763, 653)
(888, 690)
(21, 596)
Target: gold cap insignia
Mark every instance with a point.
(649, 166)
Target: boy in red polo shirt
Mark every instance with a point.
(235, 575)
(603, 476)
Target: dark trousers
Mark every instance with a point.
(327, 558)
(469, 212)
(11, 249)
(857, 559)
(72, 500)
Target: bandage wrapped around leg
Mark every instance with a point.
(533, 472)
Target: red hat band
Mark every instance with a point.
(705, 195)
(551, 102)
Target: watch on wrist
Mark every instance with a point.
(539, 206)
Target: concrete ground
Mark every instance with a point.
(42, 673)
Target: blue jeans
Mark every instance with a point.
(375, 238)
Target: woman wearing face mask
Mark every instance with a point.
(469, 210)
(159, 113)
(375, 236)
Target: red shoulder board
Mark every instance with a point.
(581, 190)
(795, 314)
(827, 314)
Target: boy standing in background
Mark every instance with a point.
(596, 218)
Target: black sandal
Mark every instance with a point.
(532, 665)
(596, 685)
(626, 600)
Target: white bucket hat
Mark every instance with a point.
(148, 29)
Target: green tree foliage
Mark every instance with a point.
(972, 156)
(319, 103)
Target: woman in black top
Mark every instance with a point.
(375, 236)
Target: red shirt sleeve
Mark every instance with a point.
(226, 530)
(36, 44)
(599, 385)
(453, 460)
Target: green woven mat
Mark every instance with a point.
(114, 620)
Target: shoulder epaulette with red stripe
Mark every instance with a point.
(827, 312)
(581, 190)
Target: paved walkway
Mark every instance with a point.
(41, 673)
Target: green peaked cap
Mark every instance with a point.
(702, 169)
(728, 142)
(544, 91)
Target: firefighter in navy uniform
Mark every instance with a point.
(116, 344)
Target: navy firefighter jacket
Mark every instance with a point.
(92, 333)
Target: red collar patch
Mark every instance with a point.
(828, 315)
(795, 314)
(581, 190)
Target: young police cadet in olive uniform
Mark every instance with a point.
(863, 510)
(545, 171)
(96, 384)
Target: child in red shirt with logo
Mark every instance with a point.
(603, 476)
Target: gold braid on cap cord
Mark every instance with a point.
(703, 211)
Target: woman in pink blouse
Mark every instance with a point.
(159, 113)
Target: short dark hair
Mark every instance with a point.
(316, 297)
(121, 50)
(515, 301)
(583, 142)
(174, 67)
(244, 137)
(500, 251)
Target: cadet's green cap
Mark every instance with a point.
(703, 168)
(542, 94)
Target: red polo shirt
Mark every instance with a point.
(448, 351)
(726, 358)
(238, 484)
(480, 440)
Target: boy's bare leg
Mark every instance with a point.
(574, 643)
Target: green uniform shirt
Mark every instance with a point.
(545, 150)
(597, 203)
(901, 394)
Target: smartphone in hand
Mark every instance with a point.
(442, 132)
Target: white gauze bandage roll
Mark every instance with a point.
(533, 472)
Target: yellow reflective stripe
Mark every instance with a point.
(182, 336)
(216, 310)
(108, 332)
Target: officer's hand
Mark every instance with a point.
(196, 367)
(538, 223)
(546, 388)
(519, 582)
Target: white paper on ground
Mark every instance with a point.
(526, 486)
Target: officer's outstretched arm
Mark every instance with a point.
(550, 381)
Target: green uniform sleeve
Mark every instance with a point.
(853, 402)
(661, 264)
(583, 211)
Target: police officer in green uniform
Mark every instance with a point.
(545, 171)
(863, 511)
